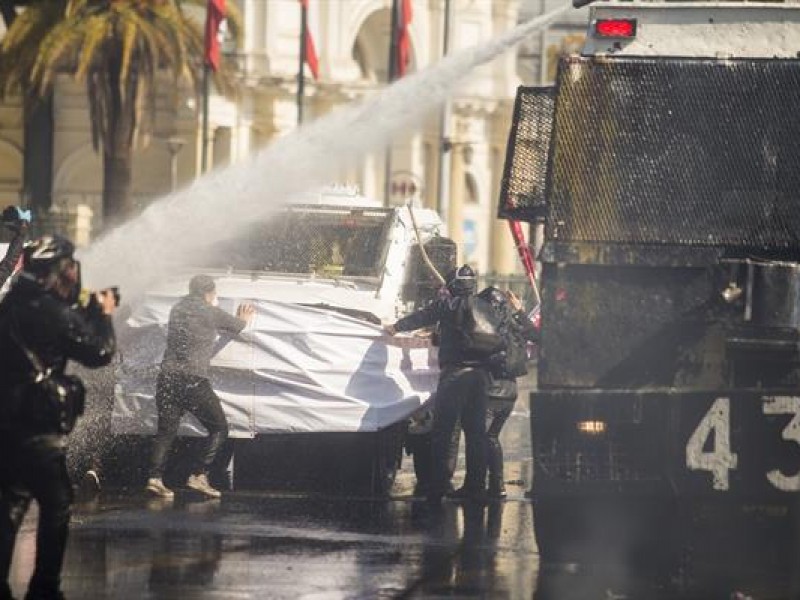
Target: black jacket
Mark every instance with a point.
(192, 329)
(52, 330)
(503, 385)
(444, 313)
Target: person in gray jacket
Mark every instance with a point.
(183, 383)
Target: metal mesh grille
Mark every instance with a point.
(693, 152)
(572, 462)
(522, 195)
(326, 241)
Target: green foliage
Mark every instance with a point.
(121, 49)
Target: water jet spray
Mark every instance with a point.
(177, 230)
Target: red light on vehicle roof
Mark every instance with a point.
(615, 28)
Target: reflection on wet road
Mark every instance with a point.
(253, 546)
(260, 545)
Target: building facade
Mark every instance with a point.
(460, 177)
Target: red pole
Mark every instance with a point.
(525, 255)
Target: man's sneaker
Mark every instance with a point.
(91, 480)
(497, 491)
(156, 487)
(199, 483)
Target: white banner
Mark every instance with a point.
(293, 369)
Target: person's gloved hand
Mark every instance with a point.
(15, 218)
(24, 215)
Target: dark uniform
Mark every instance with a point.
(460, 394)
(183, 384)
(33, 464)
(502, 390)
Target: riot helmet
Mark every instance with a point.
(461, 281)
(45, 255)
(495, 296)
(49, 261)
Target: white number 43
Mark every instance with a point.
(719, 460)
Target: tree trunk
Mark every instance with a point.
(38, 165)
(118, 203)
(8, 12)
(37, 178)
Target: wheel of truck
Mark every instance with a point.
(420, 445)
(386, 459)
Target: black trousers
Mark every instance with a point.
(460, 396)
(497, 413)
(34, 468)
(177, 393)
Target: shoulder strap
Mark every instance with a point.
(36, 363)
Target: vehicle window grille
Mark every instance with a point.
(694, 152)
(522, 194)
(573, 461)
(324, 242)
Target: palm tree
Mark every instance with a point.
(37, 112)
(118, 48)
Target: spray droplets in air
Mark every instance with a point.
(175, 231)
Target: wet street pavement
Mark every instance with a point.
(253, 544)
(267, 545)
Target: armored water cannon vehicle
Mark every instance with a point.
(663, 164)
(313, 390)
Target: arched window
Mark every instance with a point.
(360, 58)
(371, 47)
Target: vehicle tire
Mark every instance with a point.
(386, 459)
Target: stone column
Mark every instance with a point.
(504, 254)
(79, 225)
(455, 226)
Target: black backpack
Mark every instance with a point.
(516, 352)
(514, 357)
(480, 327)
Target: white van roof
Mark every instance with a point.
(335, 196)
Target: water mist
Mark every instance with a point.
(175, 230)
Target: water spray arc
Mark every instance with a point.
(176, 231)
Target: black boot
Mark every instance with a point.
(497, 488)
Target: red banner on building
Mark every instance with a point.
(309, 49)
(215, 15)
(402, 20)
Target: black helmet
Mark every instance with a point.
(493, 295)
(461, 281)
(44, 255)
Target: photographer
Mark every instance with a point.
(18, 221)
(42, 326)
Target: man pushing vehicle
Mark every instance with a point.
(183, 383)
